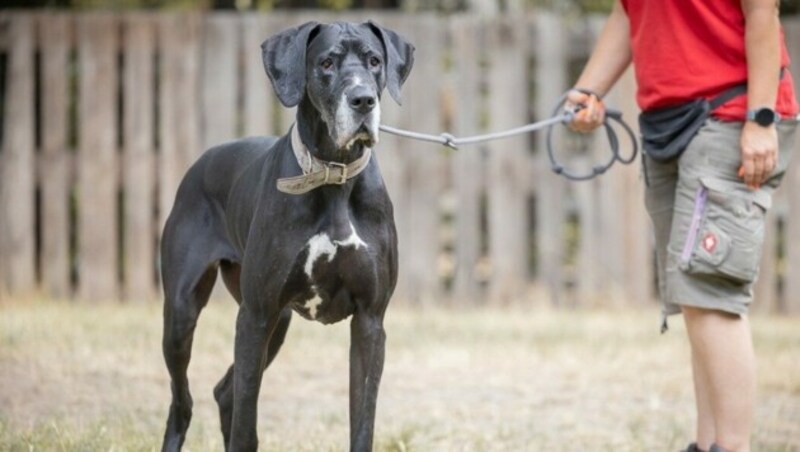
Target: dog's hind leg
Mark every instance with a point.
(187, 290)
(223, 391)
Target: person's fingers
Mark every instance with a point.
(759, 148)
(747, 171)
(575, 97)
(589, 111)
(600, 113)
(770, 163)
(591, 107)
(758, 171)
(581, 122)
(576, 102)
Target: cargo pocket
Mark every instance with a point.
(726, 234)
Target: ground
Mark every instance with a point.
(91, 377)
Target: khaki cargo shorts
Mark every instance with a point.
(709, 226)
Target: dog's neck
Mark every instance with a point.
(314, 135)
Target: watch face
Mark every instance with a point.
(765, 116)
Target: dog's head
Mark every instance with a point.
(341, 69)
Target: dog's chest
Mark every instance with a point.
(329, 273)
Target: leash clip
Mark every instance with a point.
(449, 141)
(330, 165)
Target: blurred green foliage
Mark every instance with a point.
(570, 6)
(603, 6)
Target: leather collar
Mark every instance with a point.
(316, 172)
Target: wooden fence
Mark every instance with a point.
(103, 113)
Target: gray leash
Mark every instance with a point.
(559, 116)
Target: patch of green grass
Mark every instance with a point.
(91, 377)
(59, 434)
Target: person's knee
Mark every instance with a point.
(692, 313)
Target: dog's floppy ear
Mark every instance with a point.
(399, 58)
(284, 56)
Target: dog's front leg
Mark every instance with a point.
(253, 329)
(367, 344)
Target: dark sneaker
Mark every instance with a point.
(693, 448)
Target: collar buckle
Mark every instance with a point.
(342, 179)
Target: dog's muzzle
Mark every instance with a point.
(358, 117)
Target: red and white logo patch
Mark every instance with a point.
(710, 242)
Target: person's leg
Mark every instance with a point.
(722, 351)
(713, 255)
(705, 433)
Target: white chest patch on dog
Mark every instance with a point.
(313, 303)
(321, 245)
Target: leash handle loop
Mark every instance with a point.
(560, 116)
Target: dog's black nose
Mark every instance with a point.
(361, 99)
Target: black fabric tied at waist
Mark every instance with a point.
(666, 132)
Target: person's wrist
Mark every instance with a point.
(762, 116)
(587, 91)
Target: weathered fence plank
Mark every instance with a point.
(507, 176)
(55, 31)
(259, 100)
(424, 163)
(179, 42)
(97, 154)
(791, 241)
(590, 279)
(551, 80)
(219, 81)
(467, 165)
(635, 230)
(138, 158)
(766, 288)
(17, 169)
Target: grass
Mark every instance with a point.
(90, 377)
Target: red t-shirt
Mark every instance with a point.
(691, 49)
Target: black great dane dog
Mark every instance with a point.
(297, 223)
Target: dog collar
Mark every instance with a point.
(316, 172)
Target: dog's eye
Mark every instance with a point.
(374, 61)
(327, 63)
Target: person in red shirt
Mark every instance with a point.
(708, 203)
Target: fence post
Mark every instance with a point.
(425, 163)
(635, 231)
(508, 178)
(467, 165)
(791, 295)
(220, 58)
(766, 287)
(138, 170)
(55, 32)
(179, 37)
(97, 156)
(17, 169)
(259, 100)
(551, 80)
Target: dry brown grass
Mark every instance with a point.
(83, 377)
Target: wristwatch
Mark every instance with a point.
(763, 116)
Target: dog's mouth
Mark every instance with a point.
(350, 128)
(365, 136)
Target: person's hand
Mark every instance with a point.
(759, 153)
(590, 111)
